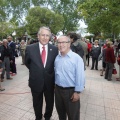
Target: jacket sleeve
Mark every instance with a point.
(27, 57)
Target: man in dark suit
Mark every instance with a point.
(39, 59)
(13, 46)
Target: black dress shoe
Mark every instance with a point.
(91, 68)
(2, 89)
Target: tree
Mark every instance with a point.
(6, 28)
(101, 16)
(68, 9)
(38, 17)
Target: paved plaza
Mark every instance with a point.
(99, 101)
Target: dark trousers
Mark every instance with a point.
(38, 103)
(87, 58)
(13, 66)
(95, 63)
(108, 71)
(64, 105)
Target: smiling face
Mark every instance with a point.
(63, 44)
(44, 36)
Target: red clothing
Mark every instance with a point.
(109, 55)
(104, 46)
(89, 46)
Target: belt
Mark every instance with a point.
(65, 88)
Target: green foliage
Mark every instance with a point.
(16, 11)
(38, 17)
(101, 16)
(68, 9)
(6, 28)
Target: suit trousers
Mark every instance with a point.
(38, 103)
(64, 104)
(13, 66)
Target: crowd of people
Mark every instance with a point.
(9, 50)
(57, 70)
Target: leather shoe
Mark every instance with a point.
(2, 89)
(9, 78)
(2, 80)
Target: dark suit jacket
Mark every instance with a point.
(38, 75)
(13, 46)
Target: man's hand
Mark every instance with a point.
(75, 97)
(0, 61)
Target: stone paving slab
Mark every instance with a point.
(99, 101)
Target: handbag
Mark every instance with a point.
(114, 71)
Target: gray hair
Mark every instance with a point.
(66, 37)
(5, 40)
(45, 28)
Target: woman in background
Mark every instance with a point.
(110, 60)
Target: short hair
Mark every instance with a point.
(9, 37)
(45, 28)
(5, 40)
(109, 43)
(73, 35)
(88, 40)
(64, 36)
(96, 41)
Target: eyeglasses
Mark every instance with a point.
(63, 42)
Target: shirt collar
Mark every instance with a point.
(40, 45)
(96, 46)
(68, 54)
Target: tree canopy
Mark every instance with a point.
(38, 17)
(101, 16)
(16, 11)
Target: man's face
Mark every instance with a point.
(63, 44)
(9, 39)
(44, 36)
(5, 43)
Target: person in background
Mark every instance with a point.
(39, 59)
(110, 60)
(95, 52)
(69, 80)
(22, 50)
(85, 48)
(7, 58)
(13, 47)
(1, 68)
(89, 49)
(105, 45)
(75, 45)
